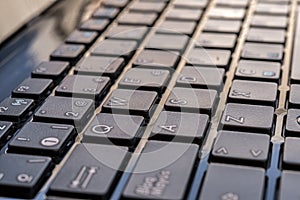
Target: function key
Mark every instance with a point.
(106, 12)
(94, 25)
(140, 6)
(216, 41)
(127, 32)
(258, 70)
(54, 70)
(222, 26)
(266, 35)
(114, 129)
(168, 42)
(266, 21)
(184, 14)
(133, 18)
(227, 13)
(82, 37)
(68, 52)
(177, 27)
(115, 3)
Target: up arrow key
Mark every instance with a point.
(255, 153)
(222, 150)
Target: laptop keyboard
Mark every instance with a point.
(161, 99)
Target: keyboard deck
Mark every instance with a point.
(161, 99)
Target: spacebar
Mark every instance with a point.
(295, 72)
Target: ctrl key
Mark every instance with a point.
(22, 175)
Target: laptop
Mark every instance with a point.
(150, 99)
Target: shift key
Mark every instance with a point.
(162, 172)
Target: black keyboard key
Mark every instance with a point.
(159, 172)
(15, 109)
(209, 57)
(89, 172)
(291, 153)
(192, 100)
(133, 102)
(232, 3)
(184, 14)
(115, 3)
(289, 183)
(133, 18)
(82, 37)
(145, 79)
(258, 70)
(241, 148)
(253, 92)
(216, 41)
(240, 117)
(54, 70)
(22, 176)
(195, 4)
(222, 26)
(91, 87)
(114, 129)
(266, 21)
(294, 97)
(43, 139)
(224, 182)
(140, 6)
(266, 35)
(63, 110)
(180, 127)
(127, 32)
(106, 12)
(258, 51)
(115, 48)
(177, 27)
(201, 77)
(33, 88)
(5, 131)
(168, 42)
(295, 69)
(100, 66)
(68, 52)
(94, 25)
(156, 59)
(227, 13)
(272, 9)
(293, 123)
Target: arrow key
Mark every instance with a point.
(241, 148)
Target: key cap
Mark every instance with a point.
(223, 26)
(43, 139)
(184, 14)
(100, 66)
(195, 4)
(63, 110)
(224, 182)
(241, 148)
(82, 37)
(33, 88)
(133, 18)
(133, 102)
(209, 57)
(22, 175)
(266, 35)
(80, 86)
(232, 3)
(177, 27)
(159, 172)
(289, 185)
(291, 153)
(292, 122)
(90, 172)
(115, 3)
(294, 97)
(68, 52)
(227, 13)
(192, 100)
(115, 48)
(258, 70)
(54, 70)
(145, 79)
(143, 7)
(180, 127)
(168, 42)
(201, 77)
(15, 109)
(257, 51)
(266, 21)
(5, 131)
(94, 25)
(271, 9)
(239, 117)
(253, 92)
(295, 70)
(216, 41)
(114, 129)
(127, 32)
(106, 12)
(156, 59)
